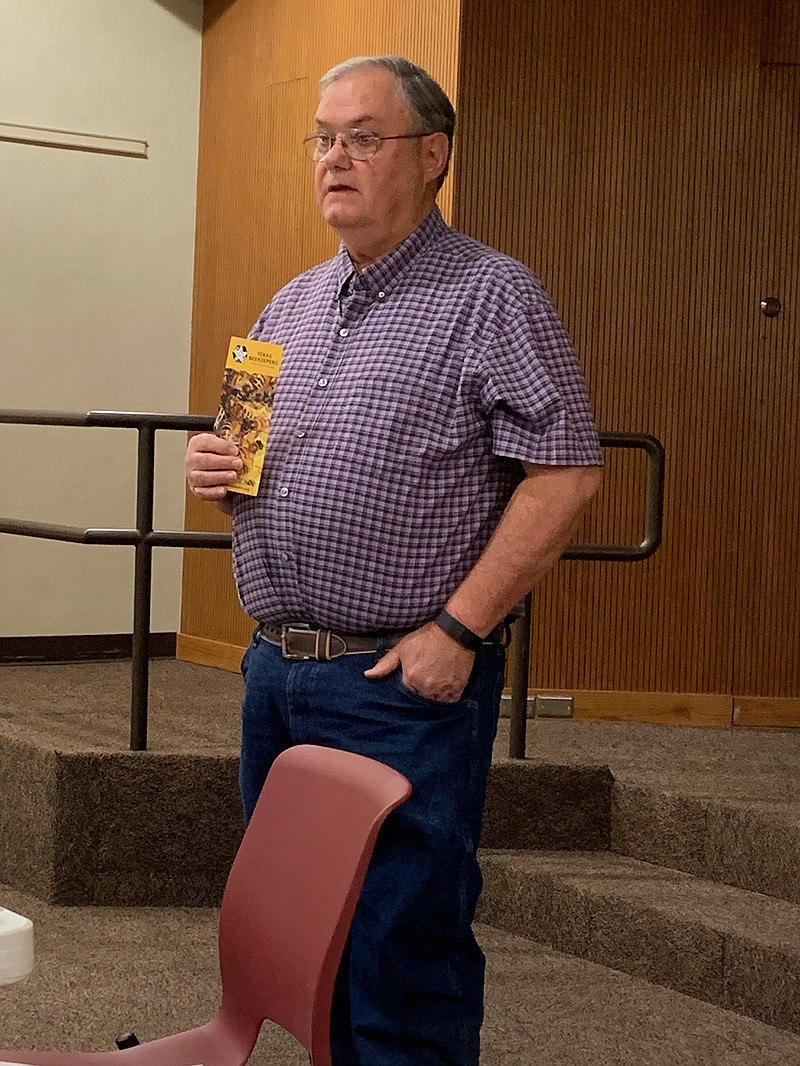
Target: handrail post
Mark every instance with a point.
(142, 587)
(519, 682)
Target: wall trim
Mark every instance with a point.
(704, 709)
(207, 652)
(47, 137)
(648, 708)
(78, 648)
(668, 708)
(774, 711)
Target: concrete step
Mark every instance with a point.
(737, 949)
(747, 841)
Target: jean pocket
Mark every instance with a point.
(409, 695)
(246, 658)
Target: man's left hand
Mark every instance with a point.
(433, 664)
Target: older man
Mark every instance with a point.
(431, 448)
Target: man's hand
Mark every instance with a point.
(211, 465)
(433, 664)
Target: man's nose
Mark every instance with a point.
(336, 156)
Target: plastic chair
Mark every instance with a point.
(286, 912)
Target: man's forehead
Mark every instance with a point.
(360, 98)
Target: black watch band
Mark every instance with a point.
(455, 629)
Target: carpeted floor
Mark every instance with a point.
(85, 707)
(103, 970)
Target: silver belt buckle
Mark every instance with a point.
(287, 632)
(318, 644)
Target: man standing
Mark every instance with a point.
(430, 451)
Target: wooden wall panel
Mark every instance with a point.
(620, 151)
(767, 616)
(257, 222)
(603, 144)
(780, 41)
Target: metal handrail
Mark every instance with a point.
(144, 538)
(654, 504)
(620, 553)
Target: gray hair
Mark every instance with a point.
(430, 107)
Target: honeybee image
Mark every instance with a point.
(248, 390)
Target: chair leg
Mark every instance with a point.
(125, 1040)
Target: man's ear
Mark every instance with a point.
(435, 152)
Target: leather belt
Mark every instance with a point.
(300, 640)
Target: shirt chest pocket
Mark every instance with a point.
(420, 405)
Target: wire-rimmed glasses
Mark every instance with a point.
(357, 144)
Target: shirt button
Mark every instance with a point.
(283, 491)
(300, 433)
(322, 382)
(343, 331)
(284, 557)
(381, 295)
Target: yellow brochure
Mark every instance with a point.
(245, 406)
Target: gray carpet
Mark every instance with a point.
(103, 970)
(100, 971)
(85, 707)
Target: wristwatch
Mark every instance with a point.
(458, 631)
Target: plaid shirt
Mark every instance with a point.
(406, 397)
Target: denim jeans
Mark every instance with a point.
(410, 988)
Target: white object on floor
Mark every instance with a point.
(16, 947)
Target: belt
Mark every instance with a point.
(300, 640)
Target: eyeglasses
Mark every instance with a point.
(357, 144)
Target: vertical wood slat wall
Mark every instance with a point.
(611, 147)
(616, 149)
(257, 222)
(767, 631)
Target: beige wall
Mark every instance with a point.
(95, 294)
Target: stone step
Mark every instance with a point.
(737, 949)
(747, 841)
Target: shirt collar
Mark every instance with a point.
(385, 272)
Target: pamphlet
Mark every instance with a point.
(245, 407)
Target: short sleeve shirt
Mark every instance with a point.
(407, 396)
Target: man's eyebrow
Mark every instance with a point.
(353, 124)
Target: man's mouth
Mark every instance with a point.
(337, 187)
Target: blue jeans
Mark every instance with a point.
(410, 988)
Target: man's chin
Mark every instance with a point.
(342, 217)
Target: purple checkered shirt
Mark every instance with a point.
(406, 397)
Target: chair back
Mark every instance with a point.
(294, 885)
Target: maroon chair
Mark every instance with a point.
(285, 915)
